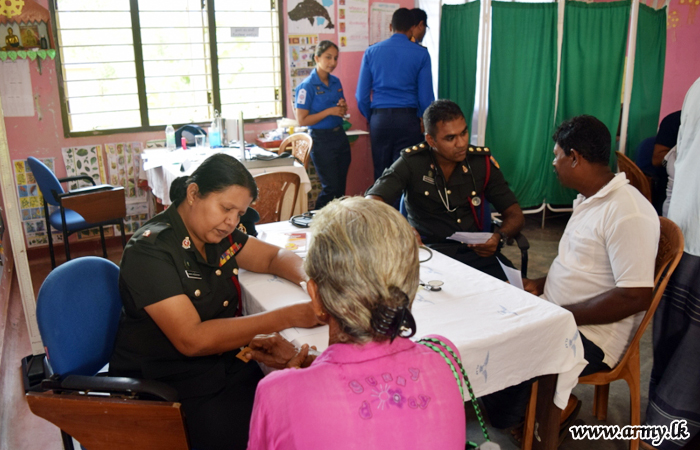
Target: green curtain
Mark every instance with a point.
(592, 65)
(459, 37)
(649, 62)
(522, 89)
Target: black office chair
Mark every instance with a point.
(78, 311)
(79, 209)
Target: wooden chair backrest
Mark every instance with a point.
(110, 423)
(634, 174)
(99, 206)
(668, 256)
(300, 146)
(274, 192)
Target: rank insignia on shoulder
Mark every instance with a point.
(493, 160)
(152, 230)
(415, 148)
(480, 151)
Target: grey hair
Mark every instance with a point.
(361, 251)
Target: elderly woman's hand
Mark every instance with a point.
(275, 351)
(301, 315)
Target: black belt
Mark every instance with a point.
(325, 130)
(394, 110)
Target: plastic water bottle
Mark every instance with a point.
(215, 131)
(170, 137)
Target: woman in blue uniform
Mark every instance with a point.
(320, 105)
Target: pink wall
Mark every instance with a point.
(360, 176)
(42, 135)
(682, 54)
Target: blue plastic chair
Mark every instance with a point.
(78, 311)
(79, 209)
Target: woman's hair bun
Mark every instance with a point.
(178, 190)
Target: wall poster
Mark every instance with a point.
(301, 58)
(311, 16)
(353, 29)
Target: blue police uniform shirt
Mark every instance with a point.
(314, 96)
(397, 73)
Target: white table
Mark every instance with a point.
(161, 177)
(505, 335)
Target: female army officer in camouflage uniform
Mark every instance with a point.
(181, 322)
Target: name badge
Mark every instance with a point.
(193, 275)
(427, 179)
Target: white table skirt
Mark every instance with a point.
(505, 335)
(160, 178)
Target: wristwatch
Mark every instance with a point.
(504, 239)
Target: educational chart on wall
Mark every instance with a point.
(379, 21)
(301, 58)
(87, 160)
(311, 16)
(126, 170)
(353, 30)
(31, 204)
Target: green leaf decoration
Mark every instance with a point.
(22, 54)
(82, 152)
(12, 55)
(41, 53)
(78, 165)
(51, 53)
(93, 160)
(3, 56)
(31, 54)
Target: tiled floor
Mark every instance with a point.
(20, 430)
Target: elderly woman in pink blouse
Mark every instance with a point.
(372, 387)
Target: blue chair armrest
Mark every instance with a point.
(86, 190)
(77, 178)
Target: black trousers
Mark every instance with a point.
(392, 130)
(506, 408)
(221, 420)
(489, 265)
(331, 156)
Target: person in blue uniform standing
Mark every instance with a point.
(320, 105)
(394, 89)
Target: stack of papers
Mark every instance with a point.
(470, 238)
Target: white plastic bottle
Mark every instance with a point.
(170, 137)
(215, 131)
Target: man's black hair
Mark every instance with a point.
(402, 20)
(419, 16)
(440, 111)
(587, 135)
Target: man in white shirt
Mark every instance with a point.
(674, 390)
(604, 272)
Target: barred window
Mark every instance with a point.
(138, 65)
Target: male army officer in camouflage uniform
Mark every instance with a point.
(446, 183)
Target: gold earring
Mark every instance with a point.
(190, 202)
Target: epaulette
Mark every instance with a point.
(478, 151)
(416, 148)
(149, 232)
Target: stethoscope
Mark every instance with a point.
(440, 178)
(434, 285)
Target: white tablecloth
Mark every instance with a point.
(160, 178)
(504, 334)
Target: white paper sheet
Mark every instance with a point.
(353, 27)
(514, 276)
(470, 238)
(379, 21)
(16, 88)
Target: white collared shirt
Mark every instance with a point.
(610, 241)
(684, 208)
